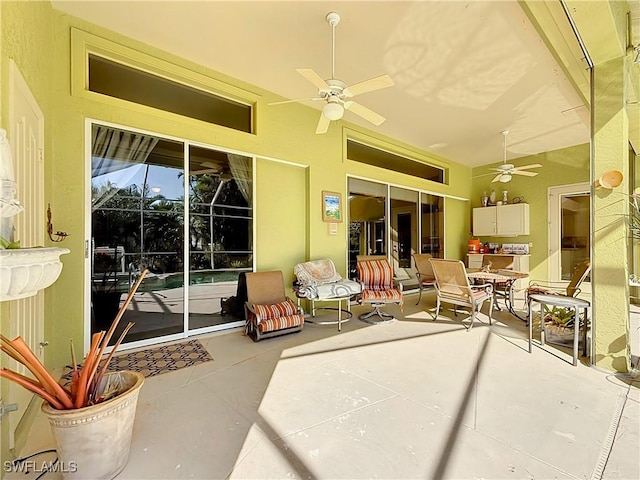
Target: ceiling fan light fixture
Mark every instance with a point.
(505, 177)
(333, 111)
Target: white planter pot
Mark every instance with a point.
(24, 271)
(94, 442)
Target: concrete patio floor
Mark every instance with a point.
(415, 398)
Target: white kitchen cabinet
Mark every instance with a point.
(501, 220)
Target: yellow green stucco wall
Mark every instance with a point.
(284, 134)
(39, 40)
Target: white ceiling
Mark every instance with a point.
(464, 70)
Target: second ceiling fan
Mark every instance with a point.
(336, 93)
(506, 170)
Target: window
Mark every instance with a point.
(359, 152)
(126, 83)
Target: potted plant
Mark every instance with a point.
(559, 323)
(91, 418)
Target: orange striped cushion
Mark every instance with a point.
(384, 295)
(282, 309)
(375, 274)
(279, 323)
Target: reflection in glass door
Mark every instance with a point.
(404, 235)
(569, 230)
(220, 233)
(432, 220)
(137, 222)
(367, 221)
(575, 239)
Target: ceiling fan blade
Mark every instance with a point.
(323, 124)
(524, 172)
(313, 77)
(296, 100)
(364, 112)
(377, 83)
(203, 171)
(526, 167)
(497, 177)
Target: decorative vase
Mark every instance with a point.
(492, 197)
(94, 442)
(505, 199)
(485, 199)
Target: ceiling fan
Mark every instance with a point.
(213, 169)
(507, 170)
(336, 93)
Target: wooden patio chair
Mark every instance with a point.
(452, 286)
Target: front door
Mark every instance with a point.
(26, 136)
(569, 225)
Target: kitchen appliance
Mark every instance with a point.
(473, 245)
(515, 248)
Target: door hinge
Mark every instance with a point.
(86, 249)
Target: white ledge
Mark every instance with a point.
(25, 271)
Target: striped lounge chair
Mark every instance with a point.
(268, 311)
(376, 278)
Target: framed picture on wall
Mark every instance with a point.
(331, 207)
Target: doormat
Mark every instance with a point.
(159, 360)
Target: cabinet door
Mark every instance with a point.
(475, 260)
(513, 219)
(484, 221)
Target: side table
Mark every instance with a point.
(577, 304)
(346, 310)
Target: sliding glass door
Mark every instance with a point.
(139, 221)
(220, 232)
(404, 235)
(414, 224)
(367, 220)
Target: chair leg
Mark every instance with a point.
(437, 309)
(490, 311)
(419, 294)
(384, 316)
(474, 310)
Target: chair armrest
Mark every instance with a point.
(483, 286)
(556, 287)
(299, 309)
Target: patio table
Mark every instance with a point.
(577, 304)
(508, 277)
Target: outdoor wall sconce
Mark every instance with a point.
(57, 236)
(609, 179)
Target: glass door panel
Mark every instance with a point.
(404, 235)
(575, 239)
(432, 219)
(367, 221)
(137, 185)
(220, 234)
